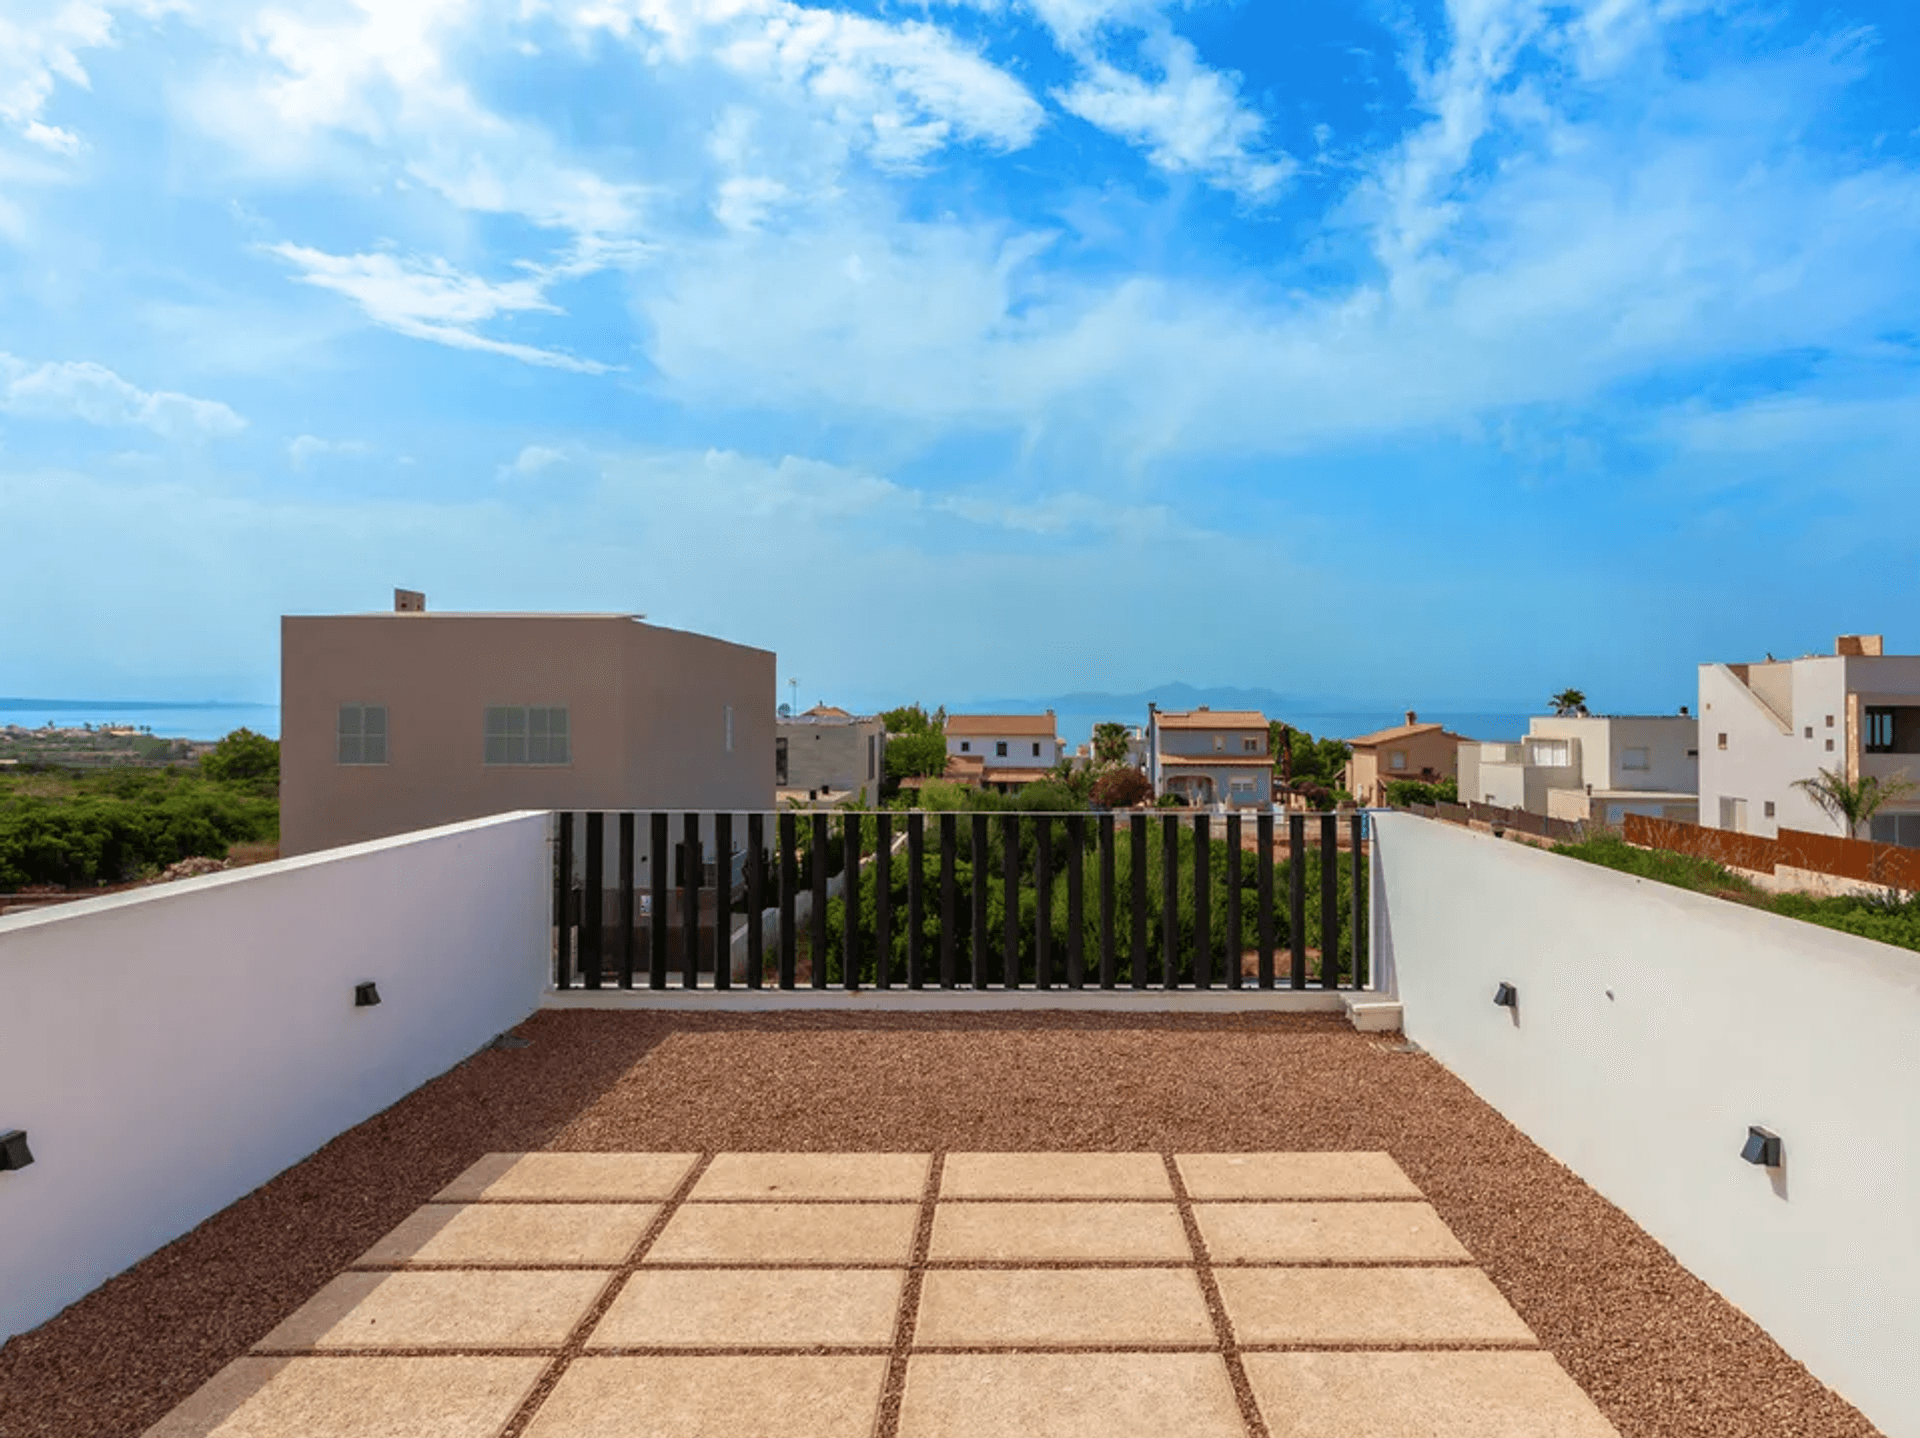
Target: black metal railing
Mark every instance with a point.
(961, 900)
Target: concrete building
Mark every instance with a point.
(1426, 753)
(1598, 767)
(1764, 726)
(401, 721)
(1002, 751)
(829, 753)
(1210, 756)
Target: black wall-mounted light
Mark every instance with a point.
(366, 995)
(14, 1152)
(1762, 1148)
(1507, 996)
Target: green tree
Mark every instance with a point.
(1109, 743)
(916, 754)
(244, 758)
(1320, 762)
(1569, 702)
(909, 719)
(1852, 803)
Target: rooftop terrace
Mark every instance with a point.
(1659, 1354)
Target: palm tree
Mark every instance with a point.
(1569, 701)
(1852, 803)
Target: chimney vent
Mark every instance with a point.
(409, 601)
(1859, 646)
(1412, 718)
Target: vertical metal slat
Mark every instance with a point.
(1010, 918)
(1297, 895)
(1106, 902)
(723, 901)
(979, 901)
(1169, 901)
(1235, 867)
(883, 900)
(593, 904)
(563, 900)
(1329, 901)
(817, 937)
(1137, 873)
(1042, 902)
(626, 901)
(690, 901)
(916, 904)
(1263, 881)
(850, 827)
(789, 883)
(949, 915)
(1202, 902)
(1076, 901)
(657, 841)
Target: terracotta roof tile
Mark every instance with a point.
(1211, 719)
(1015, 724)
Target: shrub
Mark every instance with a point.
(1121, 788)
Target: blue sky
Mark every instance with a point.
(1433, 354)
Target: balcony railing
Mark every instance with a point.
(961, 900)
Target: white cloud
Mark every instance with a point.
(899, 90)
(532, 460)
(306, 448)
(429, 299)
(52, 137)
(1190, 121)
(94, 394)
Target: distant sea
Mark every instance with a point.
(181, 720)
(1077, 729)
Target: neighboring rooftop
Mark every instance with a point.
(1205, 718)
(1020, 724)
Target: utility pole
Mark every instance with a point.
(793, 687)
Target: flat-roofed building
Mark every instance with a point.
(1855, 712)
(398, 721)
(1598, 767)
(828, 752)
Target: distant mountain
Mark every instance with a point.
(1132, 708)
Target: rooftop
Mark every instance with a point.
(1023, 725)
(1210, 719)
(1644, 1346)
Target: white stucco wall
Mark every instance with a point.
(169, 1050)
(1761, 761)
(1654, 1025)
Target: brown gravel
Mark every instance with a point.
(1662, 1355)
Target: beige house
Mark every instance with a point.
(1427, 753)
(1002, 751)
(401, 721)
(1210, 756)
(829, 753)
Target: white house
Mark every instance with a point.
(1599, 766)
(1764, 726)
(1210, 756)
(1002, 751)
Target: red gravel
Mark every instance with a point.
(1662, 1355)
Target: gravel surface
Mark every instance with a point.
(1662, 1355)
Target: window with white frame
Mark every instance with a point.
(1240, 786)
(362, 734)
(1397, 759)
(528, 734)
(1549, 753)
(1635, 759)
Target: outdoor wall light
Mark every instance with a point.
(1762, 1148)
(14, 1152)
(1507, 996)
(366, 995)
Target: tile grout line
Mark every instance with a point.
(576, 1340)
(1250, 1414)
(893, 1388)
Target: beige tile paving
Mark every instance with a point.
(1293, 1175)
(1368, 1305)
(814, 1175)
(762, 1233)
(461, 1309)
(1086, 1232)
(754, 1308)
(1055, 1175)
(1325, 1232)
(1062, 1308)
(714, 1397)
(607, 1177)
(355, 1398)
(508, 1234)
(1075, 1395)
(1421, 1395)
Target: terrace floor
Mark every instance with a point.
(913, 1227)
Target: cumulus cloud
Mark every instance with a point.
(305, 449)
(93, 394)
(429, 299)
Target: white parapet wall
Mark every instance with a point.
(171, 1049)
(1653, 1026)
